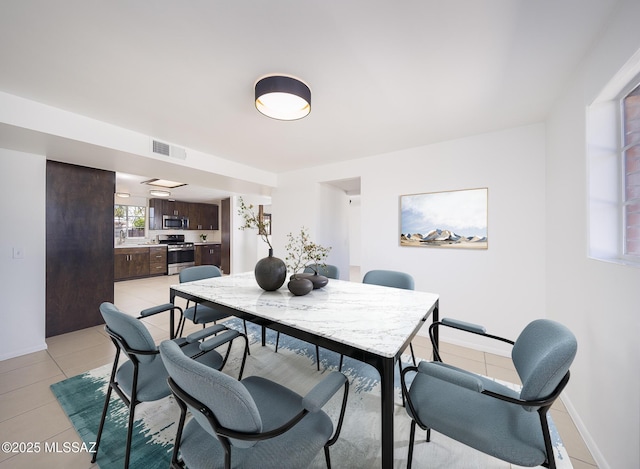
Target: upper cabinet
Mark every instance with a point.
(201, 216)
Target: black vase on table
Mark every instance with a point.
(270, 272)
(318, 281)
(299, 286)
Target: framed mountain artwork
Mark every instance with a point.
(451, 219)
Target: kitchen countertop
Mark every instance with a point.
(141, 245)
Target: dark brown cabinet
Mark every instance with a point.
(157, 260)
(201, 216)
(208, 254)
(131, 263)
(155, 214)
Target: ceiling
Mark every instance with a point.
(384, 75)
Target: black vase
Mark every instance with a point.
(270, 272)
(318, 281)
(300, 286)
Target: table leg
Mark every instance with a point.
(387, 393)
(172, 298)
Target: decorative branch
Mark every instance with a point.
(251, 220)
(301, 251)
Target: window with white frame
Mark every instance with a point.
(129, 221)
(630, 117)
(613, 164)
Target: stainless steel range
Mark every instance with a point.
(180, 254)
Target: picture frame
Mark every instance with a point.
(448, 219)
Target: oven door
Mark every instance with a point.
(179, 259)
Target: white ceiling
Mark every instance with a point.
(384, 75)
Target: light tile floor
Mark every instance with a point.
(30, 414)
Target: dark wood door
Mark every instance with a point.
(79, 246)
(225, 248)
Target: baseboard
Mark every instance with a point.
(584, 433)
(23, 351)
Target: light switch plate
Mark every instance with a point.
(18, 253)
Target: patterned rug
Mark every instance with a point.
(82, 398)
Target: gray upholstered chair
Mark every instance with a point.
(250, 423)
(143, 378)
(201, 314)
(329, 271)
(394, 279)
(486, 415)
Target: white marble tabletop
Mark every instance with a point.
(369, 317)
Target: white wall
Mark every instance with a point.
(22, 192)
(599, 301)
(502, 287)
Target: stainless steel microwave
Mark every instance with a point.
(170, 222)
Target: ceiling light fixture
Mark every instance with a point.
(123, 195)
(158, 193)
(283, 98)
(163, 183)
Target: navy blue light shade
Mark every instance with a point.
(282, 97)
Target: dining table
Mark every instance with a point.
(370, 323)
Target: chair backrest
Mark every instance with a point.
(389, 278)
(328, 270)
(542, 355)
(226, 398)
(199, 272)
(132, 331)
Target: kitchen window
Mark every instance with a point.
(129, 221)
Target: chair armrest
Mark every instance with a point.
(323, 391)
(158, 309)
(204, 333)
(451, 375)
(465, 326)
(218, 340)
(462, 326)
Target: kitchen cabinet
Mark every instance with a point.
(201, 216)
(157, 260)
(208, 254)
(175, 208)
(131, 263)
(155, 214)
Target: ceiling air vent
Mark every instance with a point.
(162, 148)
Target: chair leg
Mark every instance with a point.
(413, 355)
(400, 368)
(327, 457)
(412, 438)
(127, 450)
(318, 357)
(246, 333)
(277, 340)
(102, 419)
(341, 359)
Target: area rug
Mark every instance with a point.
(82, 398)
